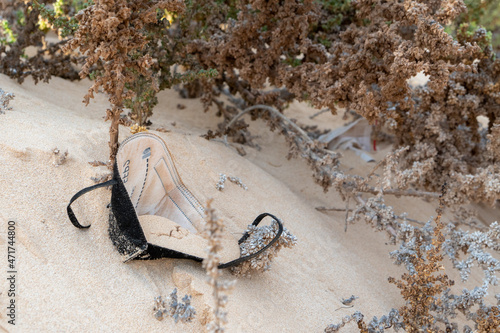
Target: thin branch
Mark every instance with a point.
(346, 213)
(399, 217)
(239, 102)
(379, 163)
(332, 209)
(276, 113)
(318, 113)
(398, 192)
(344, 307)
(337, 209)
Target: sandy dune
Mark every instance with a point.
(74, 281)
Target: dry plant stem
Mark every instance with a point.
(336, 209)
(398, 192)
(344, 307)
(379, 163)
(274, 112)
(346, 213)
(333, 209)
(410, 220)
(213, 233)
(113, 134)
(319, 112)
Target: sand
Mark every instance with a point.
(72, 280)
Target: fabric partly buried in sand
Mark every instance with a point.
(164, 232)
(153, 215)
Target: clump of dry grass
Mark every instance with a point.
(235, 180)
(431, 305)
(182, 311)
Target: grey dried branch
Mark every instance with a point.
(349, 300)
(275, 113)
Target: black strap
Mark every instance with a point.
(245, 237)
(168, 253)
(71, 215)
(175, 254)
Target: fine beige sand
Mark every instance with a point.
(72, 280)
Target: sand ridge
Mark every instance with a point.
(73, 280)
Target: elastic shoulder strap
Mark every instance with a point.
(71, 215)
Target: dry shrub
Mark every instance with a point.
(361, 56)
(21, 29)
(110, 35)
(430, 303)
(330, 53)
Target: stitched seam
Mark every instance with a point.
(175, 203)
(184, 191)
(193, 200)
(176, 179)
(144, 183)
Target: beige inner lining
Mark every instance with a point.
(169, 214)
(166, 233)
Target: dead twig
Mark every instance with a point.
(398, 192)
(318, 113)
(332, 209)
(276, 113)
(337, 209)
(346, 213)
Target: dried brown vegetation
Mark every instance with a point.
(358, 55)
(430, 303)
(421, 288)
(365, 66)
(110, 35)
(21, 26)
